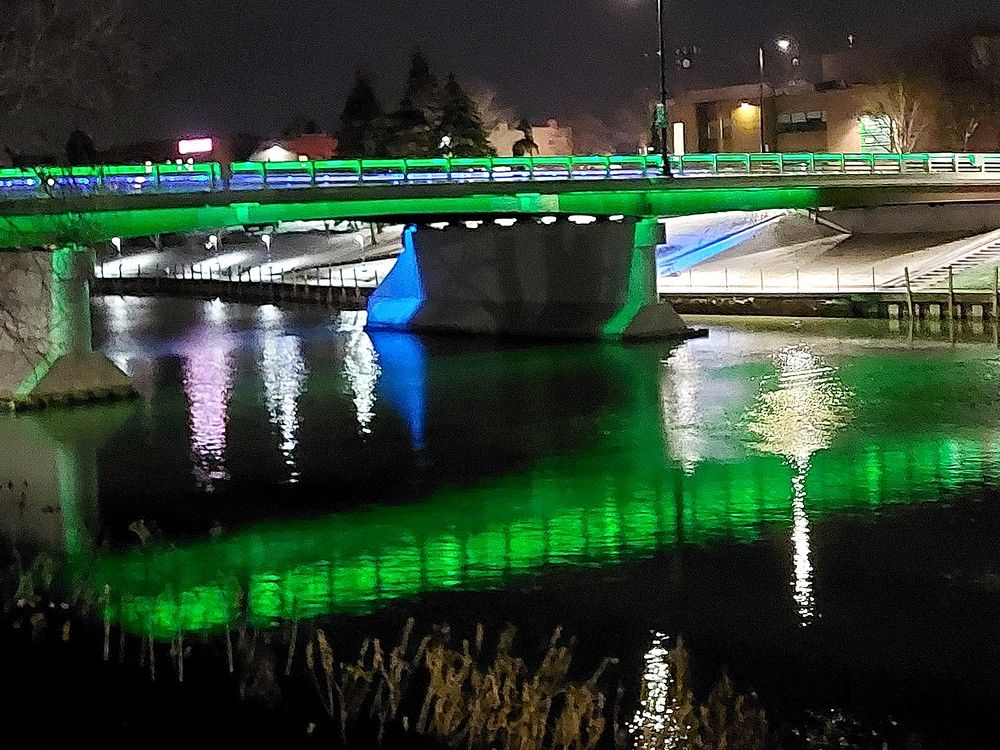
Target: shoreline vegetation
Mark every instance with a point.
(300, 684)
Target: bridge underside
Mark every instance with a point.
(562, 280)
(45, 338)
(90, 219)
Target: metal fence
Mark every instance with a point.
(353, 276)
(748, 280)
(51, 181)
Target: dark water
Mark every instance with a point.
(812, 506)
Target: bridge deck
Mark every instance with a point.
(71, 215)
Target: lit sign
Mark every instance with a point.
(195, 146)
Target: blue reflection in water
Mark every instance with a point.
(404, 378)
(208, 369)
(284, 372)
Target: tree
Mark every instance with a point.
(526, 146)
(358, 121)
(301, 125)
(80, 148)
(412, 127)
(460, 131)
(61, 58)
(905, 109)
(965, 66)
(491, 113)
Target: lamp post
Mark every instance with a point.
(662, 116)
(784, 45)
(760, 103)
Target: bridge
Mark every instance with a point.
(557, 247)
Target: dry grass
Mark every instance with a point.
(464, 694)
(465, 700)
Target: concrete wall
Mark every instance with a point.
(45, 337)
(970, 218)
(842, 107)
(25, 313)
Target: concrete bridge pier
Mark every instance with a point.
(562, 279)
(46, 352)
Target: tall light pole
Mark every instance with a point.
(760, 104)
(785, 46)
(662, 117)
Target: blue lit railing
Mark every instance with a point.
(40, 182)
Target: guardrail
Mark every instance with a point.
(50, 181)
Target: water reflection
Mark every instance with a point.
(284, 372)
(208, 368)
(656, 725)
(799, 411)
(683, 420)
(361, 368)
(403, 379)
(541, 456)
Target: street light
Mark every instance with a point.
(662, 115)
(784, 45)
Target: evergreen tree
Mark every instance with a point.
(359, 120)
(460, 131)
(413, 125)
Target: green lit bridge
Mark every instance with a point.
(544, 247)
(48, 205)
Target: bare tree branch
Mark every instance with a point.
(63, 57)
(905, 110)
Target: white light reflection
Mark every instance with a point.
(121, 346)
(802, 587)
(682, 419)
(284, 372)
(361, 368)
(208, 370)
(799, 417)
(656, 724)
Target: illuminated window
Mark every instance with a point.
(801, 122)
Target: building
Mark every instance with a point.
(816, 118)
(312, 146)
(551, 138)
(832, 114)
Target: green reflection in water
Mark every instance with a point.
(779, 442)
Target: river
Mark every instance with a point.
(811, 504)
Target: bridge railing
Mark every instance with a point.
(40, 182)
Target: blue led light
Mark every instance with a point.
(401, 293)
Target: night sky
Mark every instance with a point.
(221, 66)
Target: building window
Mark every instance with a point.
(875, 134)
(801, 122)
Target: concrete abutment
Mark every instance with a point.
(562, 280)
(46, 352)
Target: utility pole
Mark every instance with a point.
(760, 103)
(661, 115)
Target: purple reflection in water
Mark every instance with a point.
(208, 384)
